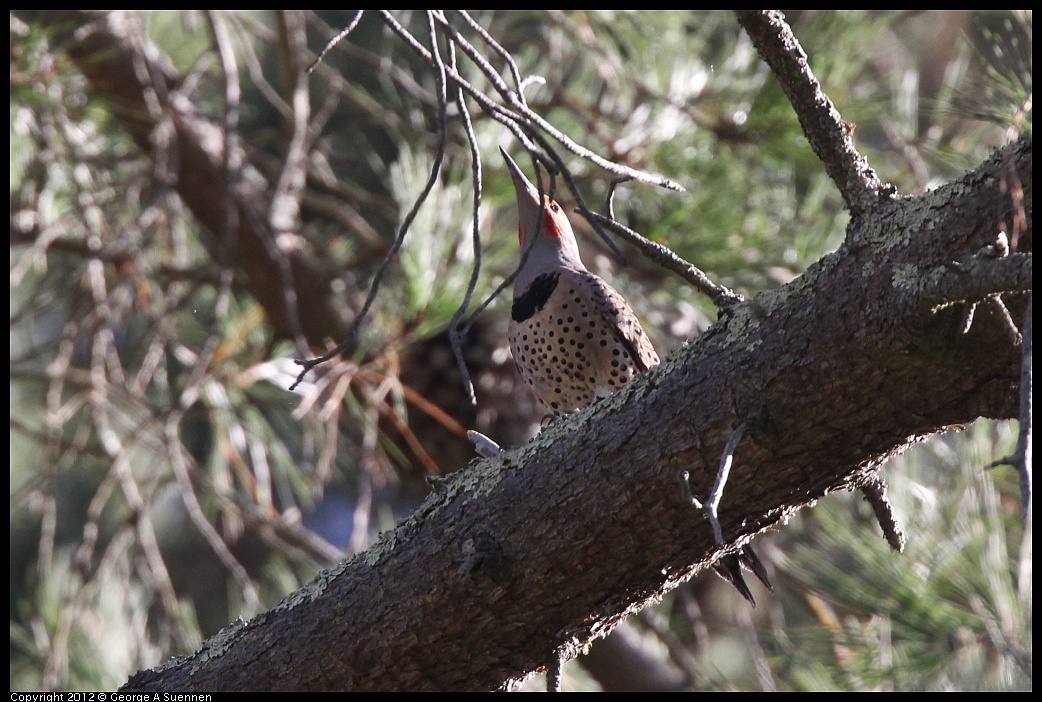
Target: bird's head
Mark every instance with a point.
(543, 229)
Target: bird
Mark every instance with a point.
(573, 337)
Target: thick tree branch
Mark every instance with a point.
(540, 549)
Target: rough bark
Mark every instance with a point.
(548, 545)
(531, 554)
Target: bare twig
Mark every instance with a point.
(1021, 457)
(1008, 325)
(668, 259)
(284, 213)
(829, 136)
(712, 505)
(336, 40)
(520, 118)
(664, 256)
(399, 239)
(532, 120)
(874, 491)
(484, 446)
(233, 161)
(729, 566)
(455, 336)
(524, 122)
(503, 53)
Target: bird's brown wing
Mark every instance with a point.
(616, 314)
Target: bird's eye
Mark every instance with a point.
(554, 207)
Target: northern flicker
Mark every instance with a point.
(572, 336)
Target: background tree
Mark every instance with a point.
(163, 482)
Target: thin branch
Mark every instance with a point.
(1021, 457)
(533, 120)
(504, 54)
(511, 120)
(455, 337)
(729, 566)
(284, 213)
(521, 118)
(176, 453)
(717, 493)
(668, 259)
(519, 126)
(829, 136)
(1008, 325)
(399, 239)
(874, 491)
(484, 446)
(336, 40)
